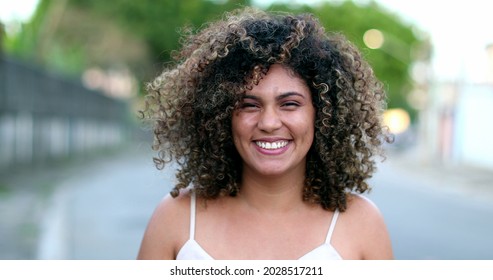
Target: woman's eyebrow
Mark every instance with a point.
(249, 96)
(279, 97)
(288, 94)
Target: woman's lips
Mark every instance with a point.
(271, 145)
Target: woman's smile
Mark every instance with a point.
(271, 145)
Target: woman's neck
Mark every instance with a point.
(270, 194)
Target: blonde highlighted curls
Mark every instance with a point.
(191, 103)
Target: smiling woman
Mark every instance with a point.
(274, 124)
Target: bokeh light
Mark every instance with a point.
(373, 39)
(397, 120)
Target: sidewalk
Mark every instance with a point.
(100, 211)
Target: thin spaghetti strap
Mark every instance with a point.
(332, 226)
(192, 216)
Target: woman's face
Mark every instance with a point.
(273, 128)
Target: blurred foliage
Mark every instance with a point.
(73, 35)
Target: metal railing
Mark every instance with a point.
(44, 116)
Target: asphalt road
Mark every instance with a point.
(101, 213)
(434, 215)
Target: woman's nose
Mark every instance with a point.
(269, 120)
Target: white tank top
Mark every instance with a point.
(192, 250)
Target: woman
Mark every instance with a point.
(274, 124)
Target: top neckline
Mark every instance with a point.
(325, 249)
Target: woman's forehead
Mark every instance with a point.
(279, 77)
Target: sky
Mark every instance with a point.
(16, 9)
(459, 30)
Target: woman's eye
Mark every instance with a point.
(249, 106)
(290, 104)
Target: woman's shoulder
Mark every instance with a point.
(367, 222)
(167, 229)
(362, 207)
(174, 207)
(363, 212)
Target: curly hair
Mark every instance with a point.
(191, 103)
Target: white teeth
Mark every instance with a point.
(271, 145)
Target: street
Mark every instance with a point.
(430, 218)
(102, 212)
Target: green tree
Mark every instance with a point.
(72, 35)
